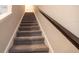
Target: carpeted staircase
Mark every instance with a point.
(29, 37)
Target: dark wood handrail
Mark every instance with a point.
(70, 36)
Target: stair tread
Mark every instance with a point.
(27, 37)
(27, 22)
(28, 26)
(30, 37)
(29, 33)
(29, 48)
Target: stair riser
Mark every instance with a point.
(29, 28)
(29, 19)
(23, 24)
(28, 22)
(28, 16)
(28, 42)
(28, 51)
(29, 34)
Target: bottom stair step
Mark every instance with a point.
(34, 48)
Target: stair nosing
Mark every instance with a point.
(30, 31)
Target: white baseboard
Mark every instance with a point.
(13, 36)
(46, 39)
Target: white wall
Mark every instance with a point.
(67, 16)
(9, 24)
(55, 40)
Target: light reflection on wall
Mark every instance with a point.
(29, 8)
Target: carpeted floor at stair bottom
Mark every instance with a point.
(29, 37)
